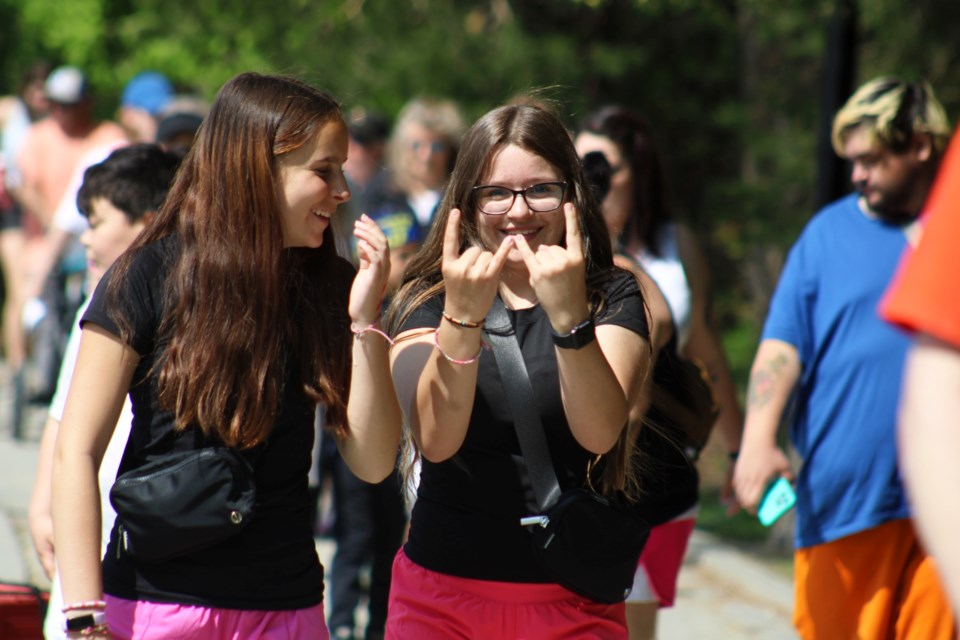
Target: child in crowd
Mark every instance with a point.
(118, 198)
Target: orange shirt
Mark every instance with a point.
(925, 295)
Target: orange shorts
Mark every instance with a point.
(877, 583)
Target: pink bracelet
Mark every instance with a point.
(370, 329)
(84, 604)
(436, 343)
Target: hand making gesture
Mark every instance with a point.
(471, 277)
(558, 275)
(371, 279)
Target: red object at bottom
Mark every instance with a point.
(22, 608)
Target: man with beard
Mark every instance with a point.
(859, 569)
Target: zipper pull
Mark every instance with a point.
(122, 541)
(529, 521)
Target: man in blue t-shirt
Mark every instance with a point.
(859, 570)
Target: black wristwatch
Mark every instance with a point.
(579, 337)
(85, 621)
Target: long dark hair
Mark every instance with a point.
(538, 131)
(633, 135)
(528, 127)
(236, 302)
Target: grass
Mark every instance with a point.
(741, 527)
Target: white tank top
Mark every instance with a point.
(668, 272)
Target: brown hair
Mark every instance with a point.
(236, 302)
(540, 132)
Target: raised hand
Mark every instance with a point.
(558, 275)
(370, 283)
(471, 278)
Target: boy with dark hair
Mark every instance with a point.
(118, 197)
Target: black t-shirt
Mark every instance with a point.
(466, 521)
(273, 563)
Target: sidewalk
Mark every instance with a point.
(18, 461)
(723, 593)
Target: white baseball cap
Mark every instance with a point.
(66, 85)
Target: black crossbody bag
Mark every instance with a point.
(588, 543)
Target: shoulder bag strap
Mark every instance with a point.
(523, 405)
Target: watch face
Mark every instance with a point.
(79, 623)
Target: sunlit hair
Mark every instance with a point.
(892, 111)
(634, 138)
(540, 132)
(442, 117)
(238, 306)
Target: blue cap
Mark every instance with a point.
(149, 91)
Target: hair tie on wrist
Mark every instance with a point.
(369, 329)
(466, 324)
(436, 343)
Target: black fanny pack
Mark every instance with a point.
(183, 502)
(588, 543)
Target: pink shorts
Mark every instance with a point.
(656, 577)
(426, 605)
(138, 619)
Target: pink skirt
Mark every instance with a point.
(425, 605)
(141, 620)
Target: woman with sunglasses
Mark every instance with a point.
(636, 212)
(517, 221)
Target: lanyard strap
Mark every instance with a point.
(523, 405)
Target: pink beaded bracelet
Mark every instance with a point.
(436, 343)
(85, 604)
(370, 329)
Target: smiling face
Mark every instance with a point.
(516, 168)
(311, 186)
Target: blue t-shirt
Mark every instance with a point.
(825, 305)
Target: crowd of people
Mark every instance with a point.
(306, 287)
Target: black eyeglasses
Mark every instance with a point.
(543, 197)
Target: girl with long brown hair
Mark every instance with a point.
(517, 221)
(228, 321)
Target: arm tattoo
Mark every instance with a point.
(763, 382)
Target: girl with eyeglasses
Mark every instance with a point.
(517, 221)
